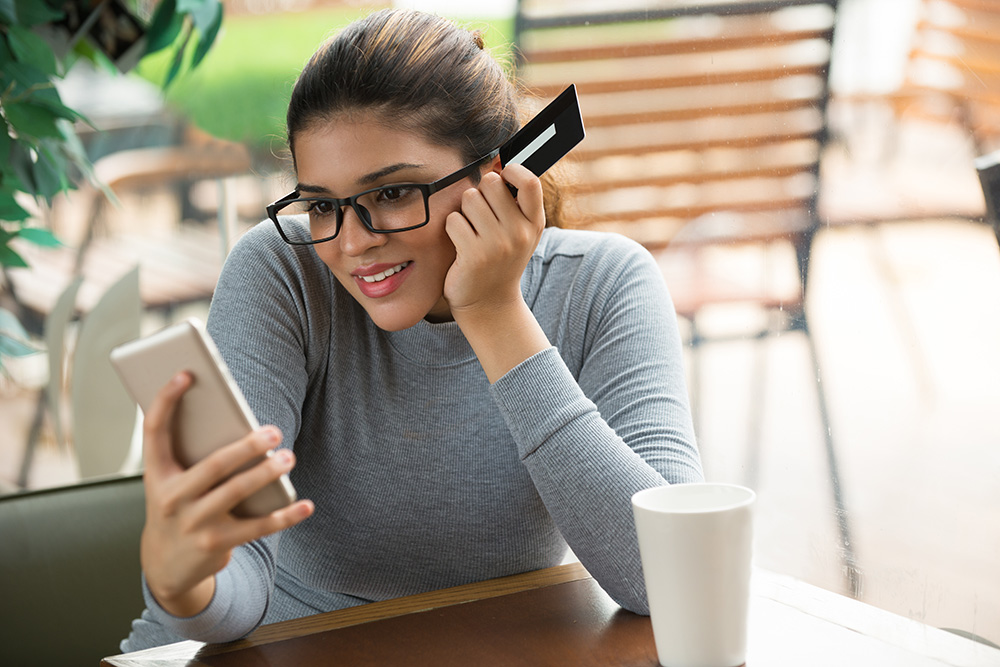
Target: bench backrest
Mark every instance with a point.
(711, 112)
(69, 571)
(953, 68)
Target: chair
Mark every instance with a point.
(71, 574)
(103, 414)
(904, 154)
(953, 69)
(706, 123)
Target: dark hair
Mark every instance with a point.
(414, 70)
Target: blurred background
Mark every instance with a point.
(886, 491)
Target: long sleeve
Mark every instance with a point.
(266, 356)
(620, 424)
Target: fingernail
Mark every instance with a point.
(273, 435)
(284, 456)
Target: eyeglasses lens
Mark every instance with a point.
(390, 208)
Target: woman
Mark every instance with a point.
(465, 389)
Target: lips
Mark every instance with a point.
(382, 275)
(381, 280)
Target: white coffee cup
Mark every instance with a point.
(695, 541)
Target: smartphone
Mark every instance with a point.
(211, 414)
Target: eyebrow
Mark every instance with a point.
(367, 179)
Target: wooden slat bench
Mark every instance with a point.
(706, 124)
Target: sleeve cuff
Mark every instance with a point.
(207, 625)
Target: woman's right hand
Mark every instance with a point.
(190, 532)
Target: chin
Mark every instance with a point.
(394, 323)
(391, 319)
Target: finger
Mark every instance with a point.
(246, 530)
(529, 191)
(225, 462)
(477, 210)
(460, 231)
(227, 495)
(157, 425)
(509, 211)
(512, 231)
(497, 193)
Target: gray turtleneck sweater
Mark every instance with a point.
(424, 475)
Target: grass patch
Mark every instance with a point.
(240, 91)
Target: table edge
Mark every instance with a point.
(187, 652)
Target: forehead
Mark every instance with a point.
(341, 152)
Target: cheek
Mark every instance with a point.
(447, 201)
(436, 249)
(332, 257)
(327, 252)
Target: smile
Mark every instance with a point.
(382, 275)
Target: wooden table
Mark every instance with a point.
(560, 616)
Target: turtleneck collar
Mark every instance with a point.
(430, 344)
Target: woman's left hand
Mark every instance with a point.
(494, 236)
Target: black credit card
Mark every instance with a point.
(548, 136)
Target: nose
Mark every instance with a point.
(354, 237)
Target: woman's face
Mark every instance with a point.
(349, 155)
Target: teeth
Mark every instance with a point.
(379, 277)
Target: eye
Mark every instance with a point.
(395, 194)
(321, 207)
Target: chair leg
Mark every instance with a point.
(758, 384)
(852, 573)
(34, 433)
(694, 389)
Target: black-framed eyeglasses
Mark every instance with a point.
(384, 210)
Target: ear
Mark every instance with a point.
(493, 166)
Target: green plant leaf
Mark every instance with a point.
(19, 77)
(74, 151)
(10, 258)
(175, 68)
(203, 12)
(5, 55)
(35, 12)
(59, 109)
(29, 48)
(20, 166)
(178, 62)
(209, 31)
(41, 237)
(11, 347)
(49, 171)
(8, 12)
(10, 211)
(5, 142)
(11, 326)
(164, 27)
(27, 82)
(32, 120)
(14, 340)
